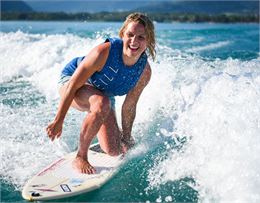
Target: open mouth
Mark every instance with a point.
(133, 48)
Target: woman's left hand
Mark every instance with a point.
(127, 144)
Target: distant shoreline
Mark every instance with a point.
(120, 16)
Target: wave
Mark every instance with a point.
(33, 56)
(211, 46)
(215, 106)
(193, 40)
(208, 109)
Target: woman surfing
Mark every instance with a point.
(116, 67)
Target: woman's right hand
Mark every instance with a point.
(54, 129)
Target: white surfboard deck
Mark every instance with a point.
(60, 180)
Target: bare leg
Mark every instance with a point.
(99, 111)
(101, 119)
(109, 135)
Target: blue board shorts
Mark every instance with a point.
(65, 78)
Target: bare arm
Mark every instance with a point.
(130, 103)
(94, 61)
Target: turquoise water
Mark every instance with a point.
(198, 121)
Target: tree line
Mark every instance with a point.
(120, 16)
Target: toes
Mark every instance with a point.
(90, 170)
(87, 169)
(82, 166)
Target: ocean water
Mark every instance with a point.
(198, 121)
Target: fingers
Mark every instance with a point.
(51, 132)
(58, 135)
(53, 137)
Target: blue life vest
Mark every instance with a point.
(115, 78)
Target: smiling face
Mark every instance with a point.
(134, 42)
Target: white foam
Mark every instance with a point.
(25, 146)
(219, 112)
(37, 59)
(214, 104)
(208, 47)
(40, 57)
(193, 40)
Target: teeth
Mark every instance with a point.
(133, 47)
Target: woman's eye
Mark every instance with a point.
(130, 35)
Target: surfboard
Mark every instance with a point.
(60, 180)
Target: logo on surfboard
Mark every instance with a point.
(65, 188)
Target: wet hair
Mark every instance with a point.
(148, 27)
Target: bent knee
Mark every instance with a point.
(80, 100)
(100, 105)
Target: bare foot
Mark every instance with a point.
(83, 166)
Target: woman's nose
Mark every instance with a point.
(134, 39)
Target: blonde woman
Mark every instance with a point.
(118, 66)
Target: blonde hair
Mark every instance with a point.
(149, 30)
